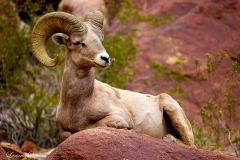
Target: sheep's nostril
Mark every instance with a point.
(106, 59)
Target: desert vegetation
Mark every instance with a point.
(220, 122)
(29, 92)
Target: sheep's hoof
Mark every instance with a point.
(64, 135)
(170, 138)
(167, 139)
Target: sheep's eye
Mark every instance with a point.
(79, 43)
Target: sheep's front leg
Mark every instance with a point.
(178, 118)
(115, 121)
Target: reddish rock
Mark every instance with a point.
(80, 8)
(199, 27)
(3, 155)
(29, 147)
(109, 143)
(12, 151)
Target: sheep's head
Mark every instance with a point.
(83, 40)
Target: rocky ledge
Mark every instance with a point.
(109, 143)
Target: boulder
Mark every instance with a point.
(29, 147)
(3, 155)
(109, 143)
(12, 151)
(30, 151)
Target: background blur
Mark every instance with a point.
(189, 49)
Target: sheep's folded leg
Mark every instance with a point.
(115, 121)
(170, 138)
(177, 118)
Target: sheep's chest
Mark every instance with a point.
(80, 118)
(71, 120)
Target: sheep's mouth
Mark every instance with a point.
(101, 66)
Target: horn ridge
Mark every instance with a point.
(95, 18)
(46, 26)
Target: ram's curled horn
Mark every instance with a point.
(46, 26)
(95, 18)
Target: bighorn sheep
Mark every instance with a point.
(86, 102)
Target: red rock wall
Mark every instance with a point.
(199, 27)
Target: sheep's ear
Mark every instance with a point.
(60, 38)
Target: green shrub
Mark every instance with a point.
(24, 86)
(14, 47)
(126, 10)
(122, 48)
(220, 123)
(176, 77)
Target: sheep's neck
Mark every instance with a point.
(77, 85)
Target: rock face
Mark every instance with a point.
(29, 147)
(108, 143)
(80, 8)
(12, 151)
(3, 155)
(199, 27)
